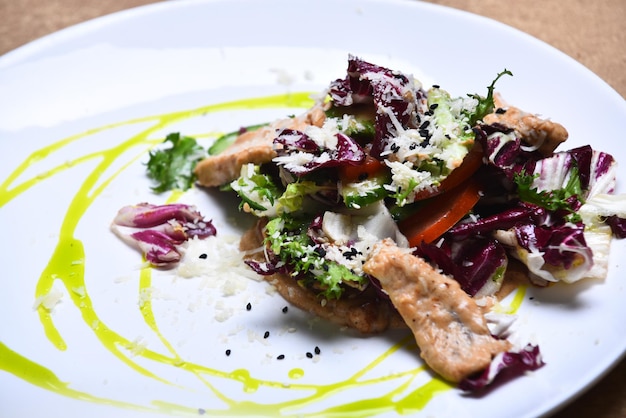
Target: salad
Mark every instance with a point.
(390, 204)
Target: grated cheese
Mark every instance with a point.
(50, 300)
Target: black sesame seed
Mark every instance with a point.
(436, 86)
(317, 350)
(424, 125)
(351, 253)
(429, 113)
(500, 111)
(309, 355)
(280, 356)
(203, 256)
(266, 335)
(227, 352)
(433, 106)
(285, 309)
(248, 306)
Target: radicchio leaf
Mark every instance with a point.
(502, 149)
(596, 169)
(264, 268)
(522, 213)
(393, 94)
(618, 226)
(300, 155)
(504, 366)
(563, 246)
(158, 230)
(477, 263)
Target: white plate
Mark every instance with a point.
(102, 83)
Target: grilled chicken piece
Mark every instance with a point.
(364, 311)
(448, 326)
(542, 134)
(251, 147)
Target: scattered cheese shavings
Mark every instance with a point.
(137, 346)
(50, 300)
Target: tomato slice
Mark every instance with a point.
(440, 213)
(354, 173)
(470, 164)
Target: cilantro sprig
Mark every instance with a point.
(172, 167)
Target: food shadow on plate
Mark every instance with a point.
(287, 320)
(566, 296)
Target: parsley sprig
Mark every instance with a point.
(172, 167)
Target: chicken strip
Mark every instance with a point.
(542, 134)
(251, 147)
(448, 326)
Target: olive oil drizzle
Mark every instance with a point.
(67, 265)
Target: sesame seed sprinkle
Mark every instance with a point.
(266, 335)
(203, 256)
(280, 357)
(248, 306)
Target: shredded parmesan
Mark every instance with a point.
(50, 300)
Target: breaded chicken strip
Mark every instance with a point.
(251, 147)
(448, 325)
(541, 134)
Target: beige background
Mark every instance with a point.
(591, 31)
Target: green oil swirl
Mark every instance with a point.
(67, 266)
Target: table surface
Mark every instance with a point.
(598, 42)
